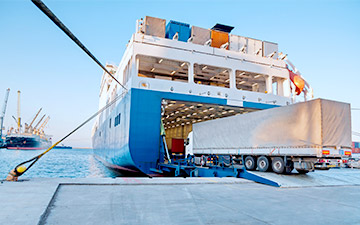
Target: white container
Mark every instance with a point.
(254, 47)
(200, 35)
(238, 43)
(154, 26)
(269, 48)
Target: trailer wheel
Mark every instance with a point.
(250, 163)
(278, 165)
(263, 164)
(301, 171)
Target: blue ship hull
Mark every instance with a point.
(131, 142)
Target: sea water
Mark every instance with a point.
(56, 163)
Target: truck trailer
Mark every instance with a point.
(278, 139)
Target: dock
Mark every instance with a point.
(326, 197)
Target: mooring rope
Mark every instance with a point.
(18, 172)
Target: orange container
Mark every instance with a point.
(219, 38)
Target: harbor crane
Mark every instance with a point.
(38, 123)
(18, 114)
(2, 116)
(29, 129)
(41, 128)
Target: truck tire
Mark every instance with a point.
(263, 164)
(301, 171)
(278, 165)
(250, 163)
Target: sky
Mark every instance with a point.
(322, 39)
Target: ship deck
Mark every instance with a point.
(127, 200)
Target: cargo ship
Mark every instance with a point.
(177, 75)
(29, 138)
(27, 142)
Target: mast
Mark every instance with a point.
(2, 116)
(18, 113)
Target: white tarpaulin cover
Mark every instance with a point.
(318, 123)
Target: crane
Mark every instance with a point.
(18, 113)
(2, 116)
(41, 128)
(38, 123)
(28, 129)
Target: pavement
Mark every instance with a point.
(180, 201)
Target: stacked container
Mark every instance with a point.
(269, 49)
(238, 43)
(200, 35)
(182, 29)
(218, 38)
(154, 26)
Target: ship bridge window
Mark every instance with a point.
(248, 81)
(211, 75)
(161, 68)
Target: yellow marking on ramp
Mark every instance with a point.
(208, 179)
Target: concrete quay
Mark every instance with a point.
(127, 200)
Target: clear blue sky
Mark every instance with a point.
(322, 38)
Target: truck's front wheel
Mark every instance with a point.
(278, 165)
(250, 163)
